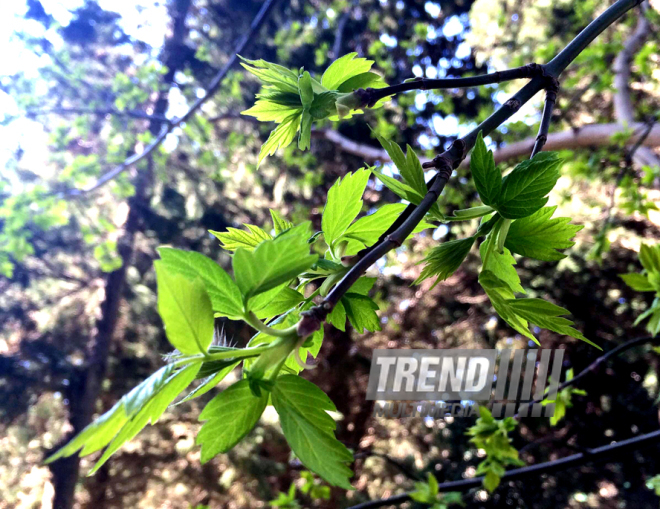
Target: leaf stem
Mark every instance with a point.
(254, 321)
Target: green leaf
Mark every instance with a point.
(279, 77)
(501, 264)
(281, 137)
(225, 295)
(537, 236)
(160, 398)
(186, 311)
(337, 317)
(411, 172)
(234, 238)
(368, 229)
(524, 189)
(280, 224)
(361, 312)
(285, 300)
(650, 257)
(269, 111)
(309, 429)
(500, 294)
(229, 417)
(442, 261)
(491, 481)
(323, 105)
(343, 204)
(364, 80)
(306, 91)
(548, 316)
(305, 137)
(487, 178)
(273, 262)
(211, 381)
(343, 69)
(637, 282)
(96, 435)
(401, 189)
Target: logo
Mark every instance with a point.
(455, 382)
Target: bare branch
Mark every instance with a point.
(588, 456)
(624, 110)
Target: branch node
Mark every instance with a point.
(367, 97)
(513, 104)
(312, 319)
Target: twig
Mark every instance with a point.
(446, 162)
(371, 96)
(100, 112)
(256, 24)
(574, 460)
(551, 91)
(591, 368)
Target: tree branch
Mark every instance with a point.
(256, 24)
(449, 160)
(586, 136)
(141, 115)
(519, 473)
(624, 110)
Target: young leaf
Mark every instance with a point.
(524, 189)
(151, 410)
(234, 238)
(638, 282)
(487, 178)
(411, 172)
(225, 295)
(309, 429)
(368, 229)
(361, 312)
(401, 189)
(229, 417)
(280, 224)
(537, 236)
(650, 257)
(343, 204)
(305, 89)
(285, 300)
(269, 111)
(442, 261)
(282, 136)
(364, 80)
(337, 317)
(502, 265)
(548, 316)
(276, 76)
(343, 69)
(211, 381)
(500, 294)
(186, 311)
(273, 262)
(304, 140)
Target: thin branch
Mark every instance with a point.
(371, 96)
(214, 86)
(100, 112)
(624, 111)
(449, 160)
(550, 98)
(589, 455)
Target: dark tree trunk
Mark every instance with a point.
(83, 397)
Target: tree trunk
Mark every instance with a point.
(85, 393)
